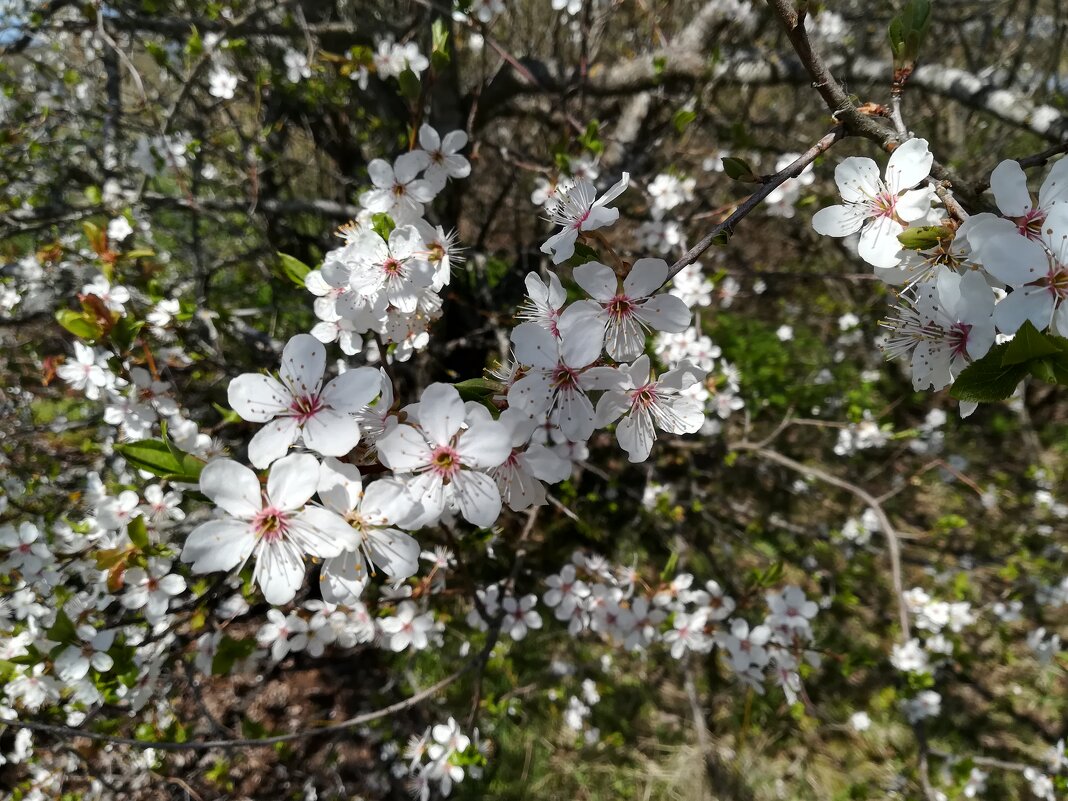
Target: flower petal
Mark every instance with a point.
(218, 545)
(258, 398)
(484, 445)
(232, 487)
(1008, 182)
(645, 277)
(352, 390)
(292, 481)
(909, 164)
(303, 363)
(857, 178)
(597, 280)
(272, 441)
(478, 498)
(279, 571)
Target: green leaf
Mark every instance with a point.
(1029, 343)
(228, 652)
(591, 138)
(410, 87)
(162, 459)
(124, 332)
(82, 324)
(383, 224)
(439, 53)
(138, 532)
(682, 119)
(584, 253)
(62, 630)
(739, 170)
(923, 237)
(988, 379)
(294, 269)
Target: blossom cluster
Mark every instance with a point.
(981, 278)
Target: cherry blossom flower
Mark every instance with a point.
(880, 208)
(152, 588)
(74, 661)
(543, 302)
(222, 83)
(945, 326)
(296, 404)
(643, 401)
(519, 478)
(395, 269)
(407, 628)
(1037, 270)
(566, 593)
(398, 191)
(623, 314)
(579, 209)
(444, 154)
(444, 461)
(1008, 182)
(558, 376)
(373, 512)
(283, 634)
(275, 526)
(114, 513)
(745, 646)
(519, 616)
(84, 374)
(113, 296)
(28, 551)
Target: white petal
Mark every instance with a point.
(610, 407)
(909, 164)
(1008, 182)
(292, 481)
(343, 577)
(839, 220)
(279, 571)
(665, 313)
(561, 245)
(576, 415)
(1027, 303)
(428, 138)
(258, 398)
(879, 245)
(340, 485)
(386, 502)
(645, 277)
(485, 445)
(454, 142)
(322, 533)
(857, 178)
(331, 433)
(403, 449)
(532, 393)
(597, 280)
(218, 545)
(396, 553)
(232, 487)
(1013, 259)
(1055, 187)
(478, 498)
(381, 173)
(636, 435)
(352, 390)
(441, 413)
(272, 441)
(534, 346)
(303, 363)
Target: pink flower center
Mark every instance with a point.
(445, 461)
(1030, 224)
(391, 266)
(305, 406)
(270, 524)
(564, 378)
(619, 308)
(884, 204)
(643, 397)
(958, 342)
(1056, 280)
